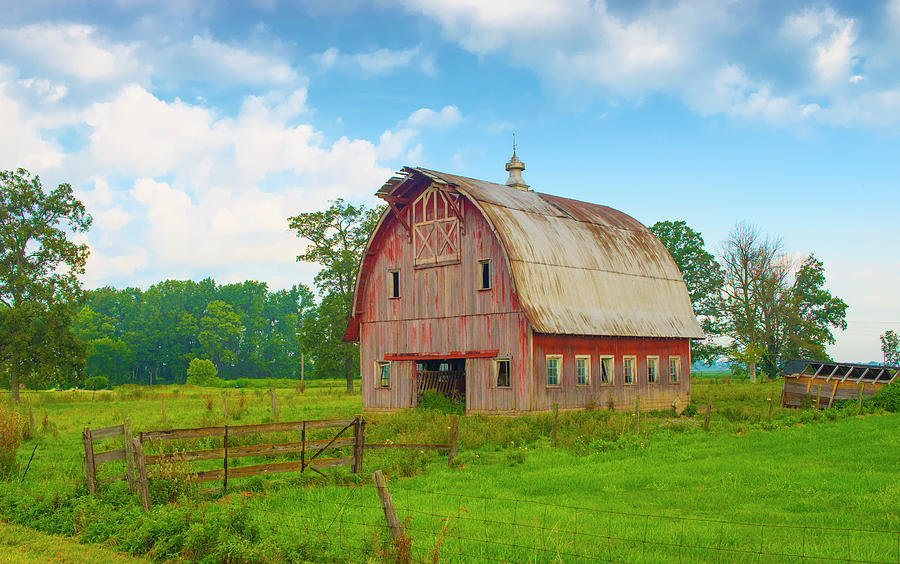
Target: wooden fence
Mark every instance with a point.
(94, 459)
(309, 450)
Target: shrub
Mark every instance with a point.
(96, 383)
(888, 398)
(11, 426)
(202, 373)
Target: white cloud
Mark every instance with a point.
(21, 143)
(74, 50)
(829, 39)
(379, 61)
(217, 59)
(426, 117)
(46, 90)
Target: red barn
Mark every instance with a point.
(516, 300)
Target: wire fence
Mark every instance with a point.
(349, 524)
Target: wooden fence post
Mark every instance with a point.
(553, 425)
(224, 408)
(818, 396)
(359, 443)
(274, 403)
(387, 504)
(143, 487)
(129, 454)
(89, 468)
(637, 411)
(164, 410)
(454, 433)
(302, 381)
(225, 477)
(859, 397)
(771, 404)
(708, 412)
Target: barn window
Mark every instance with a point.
(652, 369)
(628, 366)
(436, 227)
(607, 363)
(484, 275)
(583, 370)
(383, 374)
(674, 369)
(501, 373)
(554, 361)
(395, 283)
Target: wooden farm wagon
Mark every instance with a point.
(515, 300)
(809, 382)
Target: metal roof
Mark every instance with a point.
(843, 371)
(578, 268)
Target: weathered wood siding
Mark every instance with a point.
(441, 311)
(659, 395)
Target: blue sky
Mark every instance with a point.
(191, 130)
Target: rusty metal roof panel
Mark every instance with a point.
(581, 268)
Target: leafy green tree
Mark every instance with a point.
(704, 279)
(220, 328)
(201, 372)
(810, 314)
(890, 347)
(39, 269)
(337, 238)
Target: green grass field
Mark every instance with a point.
(755, 486)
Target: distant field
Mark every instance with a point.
(673, 481)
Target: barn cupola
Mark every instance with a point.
(515, 168)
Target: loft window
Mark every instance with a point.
(484, 275)
(606, 369)
(395, 283)
(436, 228)
(554, 361)
(652, 369)
(628, 367)
(583, 370)
(383, 374)
(501, 373)
(674, 369)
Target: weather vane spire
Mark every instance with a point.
(515, 168)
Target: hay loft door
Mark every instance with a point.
(436, 228)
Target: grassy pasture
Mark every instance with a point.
(693, 493)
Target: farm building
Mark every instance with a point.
(821, 383)
(516, 300)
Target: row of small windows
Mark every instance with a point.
(554, 370)
(484, 279)
(607, 369)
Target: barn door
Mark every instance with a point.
(436, 228)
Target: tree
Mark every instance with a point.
(337, 238)
(890, 347)
(220, 328)
(773, 317)
(704, 279)
(39, 269)
(201, 372)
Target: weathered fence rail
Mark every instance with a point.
(309, 450)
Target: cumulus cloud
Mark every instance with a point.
(74, 50)
(426, 117)
(21, 143)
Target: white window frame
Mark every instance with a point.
(378, 370)
(496, 373)
(611, 373)
(559, 365)
(481, 265)
(633, 359)
(653, 359)
(677, 360)
(587, 374)
(391, 295)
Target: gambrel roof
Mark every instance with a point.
(578, 268)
